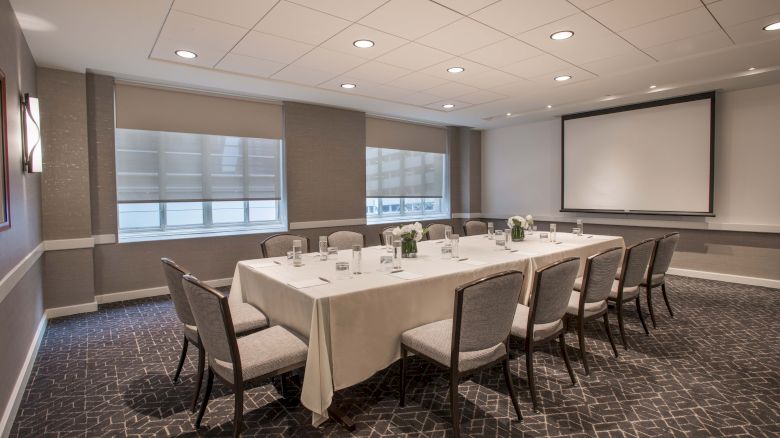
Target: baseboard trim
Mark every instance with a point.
(12, 278)
(7, 421)
(729, 278)
(151, 292)
(58, 312)
(327, 224)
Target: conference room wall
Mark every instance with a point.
(528, 157)
(21, 289)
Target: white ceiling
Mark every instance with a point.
(302, 50)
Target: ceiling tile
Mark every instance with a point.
(490, 78)
(471, 69)
(451, 90)
(243, 13)
(480, 97)
(417, 81)
(618, 64)
(302, 75)
(351, 10)
(377, 72)
(462, 36)
(249, 66)
(503, 53)
(753, 31)
(465, 7)
(414, 56)
(383, 42)
(598, 48)
(195, 33)
(587, 4)
(165, 49)
(518, 88)
(271, 47)
(459, 105)
(386, 92)
(733, 12)
(516, 16)
(624, 14)
(690, 46)
(536, 66)
(299, 23)
(327, 60)
(419, 99)
(410, 19)
(676, 27)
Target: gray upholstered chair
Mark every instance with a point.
(436, 231)
(278, 245)
(656, 273)
(543, 319)
(245, 317)
(238, 361)
(474, 339)
(382, 234)
(346, 239)
(472, 228)
(591, 302)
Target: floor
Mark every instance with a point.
(713, 370)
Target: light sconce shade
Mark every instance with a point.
(32, 147)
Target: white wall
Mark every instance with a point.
(521, 169)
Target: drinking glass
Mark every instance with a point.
(580, 226)
(357, 259)
(388, 240)
(454, 241)
(385, 263)
(508, 239)
(447, 233)
(342, 269)
(576, 231)
(553, 228)
(446, 251)
(500, 239)
(333, 251)
(297, 258)
(397, 254)
(323, 248)
(490, 230)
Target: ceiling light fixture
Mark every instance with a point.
(363, 44)
(751, 68)
(186, 54)
(348, 86)
(508, 114)
(562, 35)
(456, 69)
(562, 78)
(773, 26)
(448, 106)
(653, 86)
(549, 106)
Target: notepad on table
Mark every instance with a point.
(406, 275)
(474, 262)
(301, 284)
(261, 264)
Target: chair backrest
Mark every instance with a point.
(599, 275)
(215, 325)
(436, 231)
(278, 245)
(635, 263)
(664, 250)
(552, 289)
(173, 275)
(472, 228)
(346, 239)
(484, 310)
(382, 234)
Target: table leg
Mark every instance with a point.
(341, 418)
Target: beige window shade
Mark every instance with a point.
(153, 109)
(392, 134)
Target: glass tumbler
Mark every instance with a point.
(297, 259)
(447, 233)
(491, 230)
(580, 226)
(397, 254)
(388, 234)
(500, 239)
(454, 242)
(553, 228)
(323, 248)
(357, 259)
(508, 239)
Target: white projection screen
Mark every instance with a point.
(648, 158)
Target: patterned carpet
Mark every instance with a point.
(713, 370)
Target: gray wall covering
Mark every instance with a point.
(22, 308)
(102, 165)
(464, 146)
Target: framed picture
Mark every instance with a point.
(5, 207)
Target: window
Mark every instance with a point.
(171, 185)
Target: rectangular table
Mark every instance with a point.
(353, 325)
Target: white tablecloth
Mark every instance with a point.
(353, 325)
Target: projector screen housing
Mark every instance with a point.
(647, 158)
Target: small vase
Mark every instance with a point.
(518, 233)
(408, 248)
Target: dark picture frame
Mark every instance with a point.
(5, 198)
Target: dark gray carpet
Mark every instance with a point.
(713, 370)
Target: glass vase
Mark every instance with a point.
(408, 248)
(518, 233)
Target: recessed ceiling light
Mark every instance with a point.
(456, 69)
(653, 86)
(186, 54)
(773, 26)
(751, 68)
(348, 86)
(363, 44)
(549, 106)
(508, 114)
(448, 106)
(562, 78)
(562, 35)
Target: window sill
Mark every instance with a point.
(129, 237)
(407, 219)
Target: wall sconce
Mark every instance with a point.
(32, 153)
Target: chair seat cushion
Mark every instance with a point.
(541, 331)
(264, 352)
(191, 333)
(590, 308)
(434, 340)
(629, 293)
(247, 318)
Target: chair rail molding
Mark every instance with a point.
(9, 281)
(327, 224)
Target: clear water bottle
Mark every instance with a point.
(357, 259)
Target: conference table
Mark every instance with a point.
(353, 323)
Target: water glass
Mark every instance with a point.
(342, 269)
(297, 258)
(491, 230)
(385, 263)
(576, 231)
(447, 233)
(500, 239)
(389, 237)
(508, 239)
(581, 226)
(357, 259)
(553, 233)
(333, 251)
(397, 254)
(454, 241)
(323, 248)
(290, 257)
(446, 251)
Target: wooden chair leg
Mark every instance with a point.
(562, 342)
(209, 384)
(181, 359)
(454, 410)
(666, 299)
(621, 325)
(282, 389)
(198, 383)
(529, 367)
(511, 389)
(641, 316)
(238, 415)
(581, 336)
(402, 384)
(609, 333)
(650, 305)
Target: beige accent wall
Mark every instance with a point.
(102, 164)
(464, 146)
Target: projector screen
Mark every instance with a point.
(648, 158)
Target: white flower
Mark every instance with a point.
(529, 219)
(516, 221)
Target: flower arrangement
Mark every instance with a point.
(410, 231)
(518, 221)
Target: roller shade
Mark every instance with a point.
(395, 173)
(392, 134)
(154, 109)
